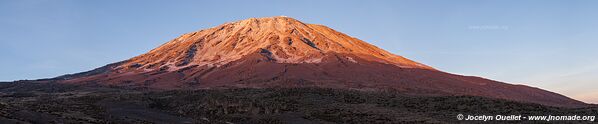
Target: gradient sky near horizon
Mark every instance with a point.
(550, 44)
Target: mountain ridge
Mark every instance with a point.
(284, 52)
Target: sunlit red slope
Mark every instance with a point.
(284, 52)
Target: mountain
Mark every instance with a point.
(283, 52)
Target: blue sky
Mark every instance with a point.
(542, 43)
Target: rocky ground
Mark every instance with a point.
(54, 103)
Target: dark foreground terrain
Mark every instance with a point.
(53, 103)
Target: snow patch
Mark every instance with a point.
(147, 70)
(172, 67)
(351, 59)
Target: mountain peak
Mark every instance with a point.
(284, 39)
(272, 19)
(276, 23)
(285, 52)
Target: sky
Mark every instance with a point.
(550, 44)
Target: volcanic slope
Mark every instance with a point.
(284, 52)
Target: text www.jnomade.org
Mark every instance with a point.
(526, 118)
